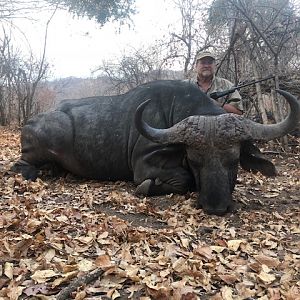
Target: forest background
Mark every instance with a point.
(252, 40)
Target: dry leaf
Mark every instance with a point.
(14, 291)
(42, 276)
(115, 295)
(274, 294)
(256, 267)
(244, 291)
(270, 195)
(270, 244)
(234, 245)
(293, 293)
(295, 229)
(226, 293)
(62, 219)
(287, 276)
(159, 292)
(103, 261)
(35, 289)
(65, 278)
(217, 249)
(49, 255)
(85, 239)
(204, 251)
(268, 261)
(188, 296)
(172, 222)
(86, 265)
(9, 270)
(185, 242)
(228, 278)
(179, 265)
(164, 273)
(232, 232)
(80, 295)
(266, 277)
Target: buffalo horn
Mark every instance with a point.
(272, 131)
(163, 136)
(219, 128)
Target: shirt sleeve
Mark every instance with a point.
(235, 100)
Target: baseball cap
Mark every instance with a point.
(203, 54)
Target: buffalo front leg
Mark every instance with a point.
(160, 170)
(177, 181)
(27, 170)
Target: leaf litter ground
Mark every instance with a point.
(69, 238)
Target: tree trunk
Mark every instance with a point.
(279, 103)
(260, 99)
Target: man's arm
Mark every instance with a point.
(234, 103)
(232, 109)
(229, 108)
(234, 99)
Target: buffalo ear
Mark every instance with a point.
(252, 160)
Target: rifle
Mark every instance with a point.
(216, 95)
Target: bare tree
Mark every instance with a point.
(263, 39)
(7, 93)
(140, 66)
(20, 76)
(191, 36)
(12, 9)
(102, 11)
(261, 33)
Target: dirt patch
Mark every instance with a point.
(136, 219)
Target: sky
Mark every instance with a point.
(76, 46)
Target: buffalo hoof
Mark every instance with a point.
(28, 172)
(144, 187)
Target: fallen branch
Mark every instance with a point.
(75, 284)
(274, 152)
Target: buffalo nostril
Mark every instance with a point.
(215, 209)
(217, 212)
(222, 213)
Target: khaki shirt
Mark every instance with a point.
(220, 85)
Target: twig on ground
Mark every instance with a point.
(75, 284)
(274, 152)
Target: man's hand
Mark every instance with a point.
(232, 109)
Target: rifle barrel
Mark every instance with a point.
(254, 81)
(216, 95)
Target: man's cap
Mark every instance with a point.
(203, 54)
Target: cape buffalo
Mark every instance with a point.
(174, 142)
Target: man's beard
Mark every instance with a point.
(207, 73)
